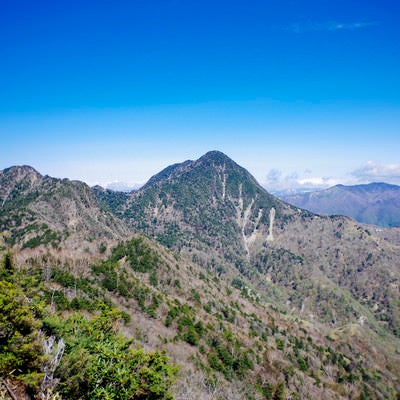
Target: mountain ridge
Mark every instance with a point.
(376, 203)
(41, 210)
(204, 193)
(223, 220)
(251, 268)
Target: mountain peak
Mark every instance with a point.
(217, 158)
(17, 177)
(213, 200)
(215, 155)
(21, 170)
(211, 158)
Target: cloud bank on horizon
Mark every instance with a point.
(378, 172)
(278, 182)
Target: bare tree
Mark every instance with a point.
(54, 350)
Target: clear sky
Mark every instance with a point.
(301, 92)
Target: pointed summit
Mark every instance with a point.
(208, 202)
(214, 163)
(211, 159)
(215, 156)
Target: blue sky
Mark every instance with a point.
(301, 93)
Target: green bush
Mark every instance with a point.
(21, 351)
(280, 344)
(172, 314)
(139, 255)
(100, 364)
(191, 336)
(60, 300)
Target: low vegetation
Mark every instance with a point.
(66, 335)
(51, 354)
(227, 293)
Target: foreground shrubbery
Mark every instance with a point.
(101, 364)
(94, 361)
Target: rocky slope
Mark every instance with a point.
(229, 342)
(254, 298)
(210, 203)
(40, 211)
(215, 214)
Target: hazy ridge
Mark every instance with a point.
(374, 203)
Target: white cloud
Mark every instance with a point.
(350, 26)
(280, 183)
(310, 26)
(277, 182)
(318, 181)
(123, 186)
(373, 171)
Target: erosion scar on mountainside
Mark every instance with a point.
(270, 236)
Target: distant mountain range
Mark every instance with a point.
(254, 296)
(374, 203)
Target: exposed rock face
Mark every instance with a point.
(39, 210)
(270, 237)
(211, 201)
